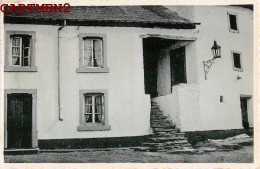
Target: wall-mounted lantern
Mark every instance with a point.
(216, 52)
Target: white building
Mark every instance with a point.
(90, 73)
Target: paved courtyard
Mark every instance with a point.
(244, 155)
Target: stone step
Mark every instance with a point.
(184, 151)
(164, 121)
(168, 125)
(159, 129)
(160, 121)
(163, 135)
(173, 147)
(163, 126)
(156, 112)
(155, 106)
(157, 150)
(176, 140)
(180, 134)
(157, 117)
(153, 144)
(207, 149)
(142, 149)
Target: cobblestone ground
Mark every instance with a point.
(244, 155)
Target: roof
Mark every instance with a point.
(126, 16)
(248, 6)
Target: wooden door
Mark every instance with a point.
(243, 104)
(19, 120)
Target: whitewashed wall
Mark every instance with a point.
(222, 79)
(182, 106)
(128, 106)
(210, 113)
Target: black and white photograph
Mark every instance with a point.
(110, 83)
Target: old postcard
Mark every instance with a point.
(138, 84)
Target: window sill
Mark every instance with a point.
(92, 70)
(20, 69)
(233, 31)
(93, 127)
(238, 69)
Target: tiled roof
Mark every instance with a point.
(136, 16)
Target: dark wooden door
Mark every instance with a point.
(243, 104)
(178, 66)
(19, 120)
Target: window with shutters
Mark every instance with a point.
(93, 110)
(20, 54)
(92, 53)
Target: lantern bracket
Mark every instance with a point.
(207, 65)
(216, 51)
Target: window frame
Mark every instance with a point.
(229, 23)
(84, 69)
(83, 126)
(8, 52)
(241, 62)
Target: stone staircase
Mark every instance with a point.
(166, 137)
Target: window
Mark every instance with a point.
(20, 51)
(233, 26)
(93, 110)
(92, 53)
(237, 61)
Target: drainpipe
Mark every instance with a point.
(59, 105)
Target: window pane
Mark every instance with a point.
(98, 108)
(26, 52)
(25, 62)
(87, 53)
(97, 44)
(88, 109)
(233, 22)
(15, 61)
(16, 51)
(16, 42)
(98, 118)
(88, 99)
(87, 44)
(88, 58)
(26, 42)
(88, 118)
(97, 53)
(237, 62)
(98, 99)
(26, 57)
(97, 63)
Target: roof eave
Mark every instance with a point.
(112, 23)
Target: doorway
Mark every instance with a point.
(19, 120)
(178, 66)
(244, 112)
(151, 57)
